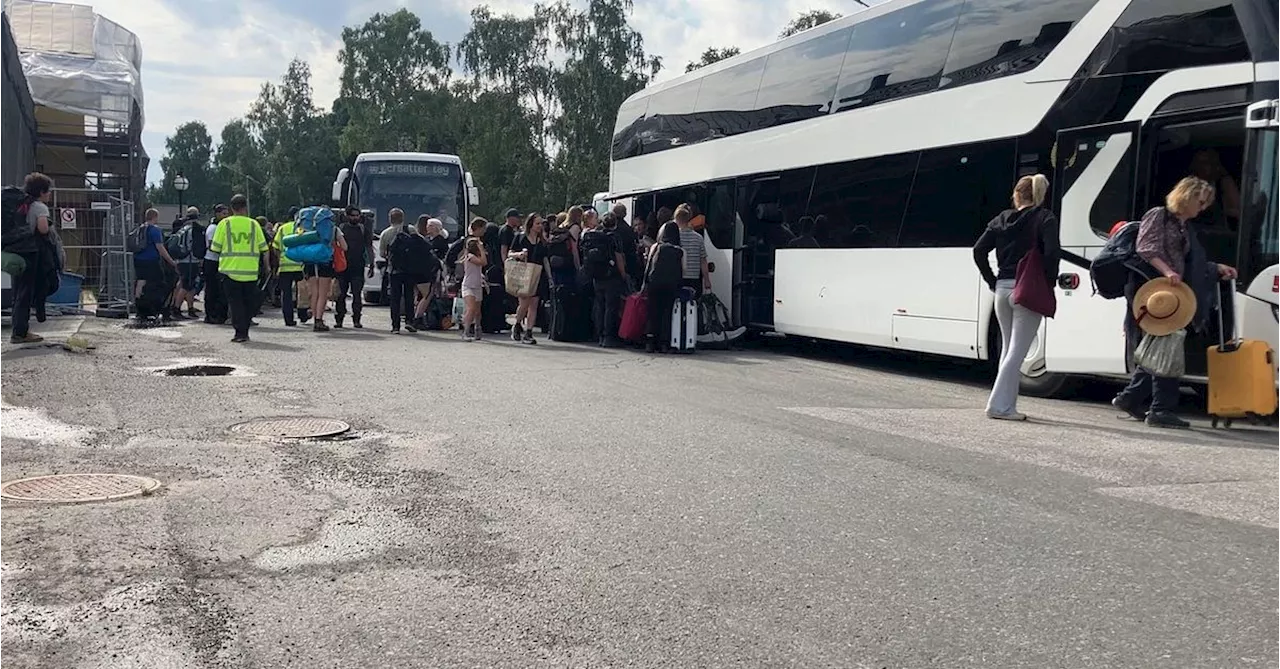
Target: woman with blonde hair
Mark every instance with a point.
(1012, 234)
(1168, 244)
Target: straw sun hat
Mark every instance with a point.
(1162, 308)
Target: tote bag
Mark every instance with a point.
(1031, 288)
(521, 278)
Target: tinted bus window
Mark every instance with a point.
(997, 38)
(1162, 35)
(862, 200)
(898, 54)
(804, 75)
(732, 89)
(957, 190)
(626, 141)
(677, 100)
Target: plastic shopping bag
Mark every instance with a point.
(1163, 356)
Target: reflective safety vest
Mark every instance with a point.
(239, 243)
(284, 230)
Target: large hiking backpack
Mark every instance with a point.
(666, 267)
(179, 245)
(597, 254)
(1110, 269)
(15, 235)
(316, 219)
(715, 325)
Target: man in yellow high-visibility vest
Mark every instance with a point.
(241, 247)
(289, 273)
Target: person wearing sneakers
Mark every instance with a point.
(28, 241)
(1181, 297)
(1011, 235)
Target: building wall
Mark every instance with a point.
(18, 125)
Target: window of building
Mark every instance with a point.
(1162, 35)
(898, 54)
(997, 38)
(804, 75)
(862, 201)
(957, 190)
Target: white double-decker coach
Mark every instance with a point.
(905, 127)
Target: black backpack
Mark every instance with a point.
(597, 254)
(666, 267)
(559, 253)
(15, 235)
(402, 253)
(1109, 271)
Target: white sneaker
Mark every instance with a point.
(1006, 416)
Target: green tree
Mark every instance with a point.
(189, 152)
(509, 104)
(299, 147)
(606, 63)
(240, 164)
(394, 85)
(713, 55)
(806, 20)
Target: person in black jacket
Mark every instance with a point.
(1011, 235)
(412, 262)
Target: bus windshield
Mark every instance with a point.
(417, 188)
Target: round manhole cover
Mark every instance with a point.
(72, 488)
(292, 428)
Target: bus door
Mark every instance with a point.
(723, 235)
(1095, 176)
(1257, 313)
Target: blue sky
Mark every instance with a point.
(206, 59)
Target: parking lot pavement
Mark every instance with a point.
(504, 505)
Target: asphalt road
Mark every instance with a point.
(498, 505)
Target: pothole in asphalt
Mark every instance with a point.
(78, 488)
(197, 370)
(296, 427)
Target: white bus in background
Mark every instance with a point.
(905, 125)
(434, 184)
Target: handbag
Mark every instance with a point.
(1031, 287)
(1164, 356)
(339, 258)
(521, 278)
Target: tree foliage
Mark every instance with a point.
(806, 20)
(188, 152)
(713, 55)
(531, 111)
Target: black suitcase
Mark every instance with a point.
(568, 320)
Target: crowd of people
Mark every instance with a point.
(588, 265)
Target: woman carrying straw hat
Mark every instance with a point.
(1181, 297)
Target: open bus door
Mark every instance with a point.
(1257, 313)
(1096, 171)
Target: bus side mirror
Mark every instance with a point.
(338, 194)
(473, 193)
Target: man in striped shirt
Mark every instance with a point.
(696, 274)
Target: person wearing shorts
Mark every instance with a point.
(319, 277)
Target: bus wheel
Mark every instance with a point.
(1048, 384)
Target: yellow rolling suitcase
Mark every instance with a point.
(1242, 379)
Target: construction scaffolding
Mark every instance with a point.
(18, 110)
(84, 73)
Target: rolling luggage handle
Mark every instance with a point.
(1225, 346)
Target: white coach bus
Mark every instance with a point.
(904, 127)
(434, 184)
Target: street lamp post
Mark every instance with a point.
(180, 184)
